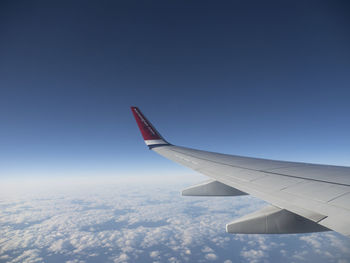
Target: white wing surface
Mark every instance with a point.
(304, 197)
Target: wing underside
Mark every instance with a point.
(303, 197)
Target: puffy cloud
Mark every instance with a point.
(135, 223)
(28, 256)
(300, 255)
(253, 255)
(154, 254)
(312, 240)
(207, 249)
(211, 256)
(121, 258)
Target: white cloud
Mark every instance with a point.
(300, 255)
(154, 254)
(312, 240)
(122, 258)
(28, 256)
(253, 255)
(126, 223)
(211, 256)
(207, 249)
(173, 260)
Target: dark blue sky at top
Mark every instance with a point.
(257, 78)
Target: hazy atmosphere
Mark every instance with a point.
(266, 79)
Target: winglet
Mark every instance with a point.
(149, 133)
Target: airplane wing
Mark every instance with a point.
(304, 197)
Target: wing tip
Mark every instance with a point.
(150, 135)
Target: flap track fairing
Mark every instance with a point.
(273, 220)
(212, 188)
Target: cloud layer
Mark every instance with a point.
(133, 222)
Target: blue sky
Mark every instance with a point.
(267, 79)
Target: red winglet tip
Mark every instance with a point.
(149, 133)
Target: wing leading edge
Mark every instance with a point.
(304, 197)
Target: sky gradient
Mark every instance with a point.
(267, 79)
